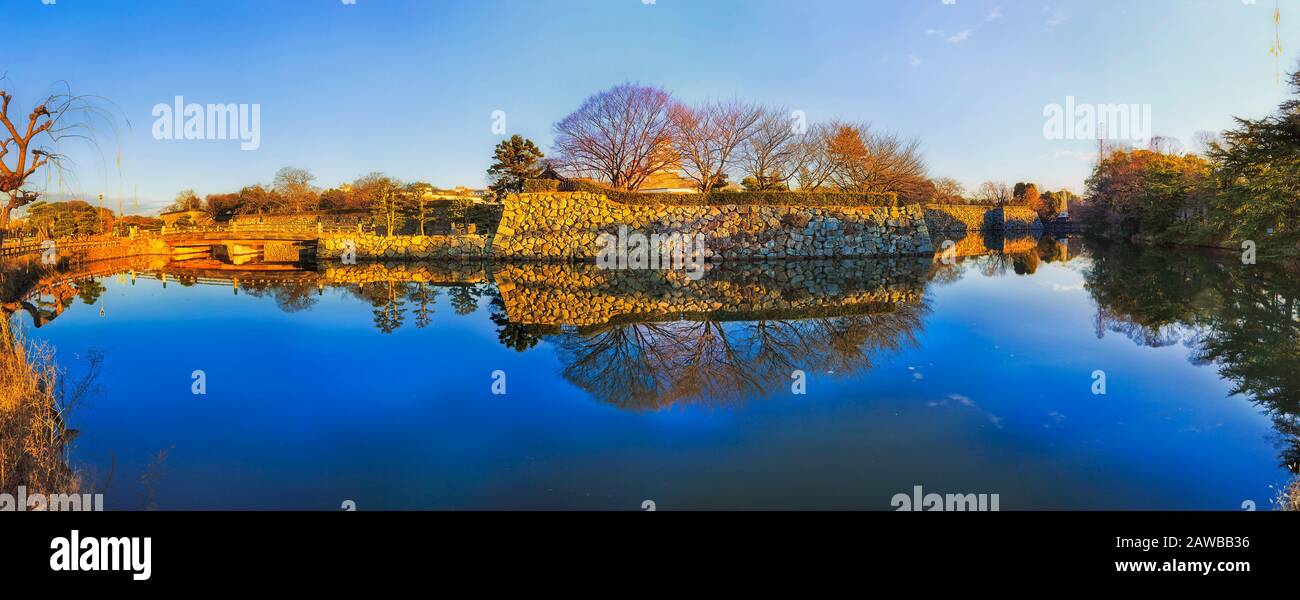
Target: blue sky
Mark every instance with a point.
(408, 87)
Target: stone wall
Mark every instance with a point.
(124, 248)
(1014, 218)
(566, 226)
(585, 295)
(404, 247)
(954, 218)
(960, 218)
(305, 220)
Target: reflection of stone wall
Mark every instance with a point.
(979, 244)
(585, 295)
(1018, 245)
(376, 247)
(973, 244)
(559, 225)
(374, 272)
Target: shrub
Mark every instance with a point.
(485, 217)
(537, 186)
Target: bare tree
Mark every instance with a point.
(949, 191)
(770, 157)
(811, 160)
(1165, 145)
(185, 200)
(1204, 141)
(257, 200)
(706, 137)
(996, 193)
(876, 163)
(295, 189)
(621, 136)
(61, 116)
(28, 159)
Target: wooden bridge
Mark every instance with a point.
(238, 246)
(243, 249)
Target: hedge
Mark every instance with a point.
(773, 198)
(536, 186)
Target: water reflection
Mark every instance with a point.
(1242, 319)
(415, 341)
(633, 339)
(648, 340)
(655, 365)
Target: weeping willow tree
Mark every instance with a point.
(30, 147)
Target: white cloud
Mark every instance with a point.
(1056, 16)
(960, 37)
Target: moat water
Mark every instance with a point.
(800, 386)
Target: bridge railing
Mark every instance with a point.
(264, 228)
(34, 246)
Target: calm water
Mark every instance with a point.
(623, 387)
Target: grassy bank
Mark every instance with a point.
(34, 438)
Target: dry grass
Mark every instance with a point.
(33, 437)
(1289, 499)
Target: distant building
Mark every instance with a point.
(457, 193)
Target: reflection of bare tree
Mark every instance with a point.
(1142, 334)
(776, 345)
(655, 365)
(708, 365)
(617, 364)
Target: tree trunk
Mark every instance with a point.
(4, 230)
(4, 224)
